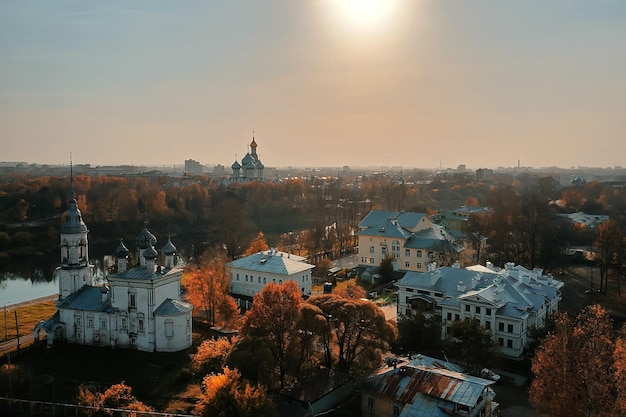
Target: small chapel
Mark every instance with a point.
(250, 168)
(139, 307)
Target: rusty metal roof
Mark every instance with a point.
(403, 384)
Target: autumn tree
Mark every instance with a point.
(619, 359)
(117, 396)
(252, 356)
(359, 331)
(258, 244)
(227, 395)
(574, 365)
(275, 310)
(208, 283)
(351, 290)
(211, 355)
(609, 242)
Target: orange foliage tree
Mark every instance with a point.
(573, 367)
(208, 284)
(225, 394)
(275, 310)
(211, 355)
(257, 245)
(117, 396)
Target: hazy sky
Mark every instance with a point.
(321, 82)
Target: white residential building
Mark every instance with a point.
(139, 308)
(505, 301)
(250, 274)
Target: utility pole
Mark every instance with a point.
(17, 331)
(6, 333)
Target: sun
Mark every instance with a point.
(366, 13)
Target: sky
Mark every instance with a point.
(411, 83)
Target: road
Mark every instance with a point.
(11, 345)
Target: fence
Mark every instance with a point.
(16, 407)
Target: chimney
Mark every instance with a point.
(460, 287)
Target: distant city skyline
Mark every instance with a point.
(322, 83)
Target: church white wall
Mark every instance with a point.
(173, 333)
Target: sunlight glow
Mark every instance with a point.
(366, 14)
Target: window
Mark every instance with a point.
(477, 310)
(407, 253)
(419, 265)
(77, 320)
(467, 307)
(140, 325)
(395, 410)
(487, 325)
(449, 316)
(371, 249)
(419, 253)
(407, 264)
(370, 402)
(372, 260)
(169, 328)
(259, 280)
(501, 327)
(488, 312)
(383, 250)
(89, 321)
(237, 277)
(264, 280)
(132, 300)
(457, 317)
(103, 324)
(510, 328)
(124, 323)
(430, 256)
(509, 343)
(501, 341)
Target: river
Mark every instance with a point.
(24, 279)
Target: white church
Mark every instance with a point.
(138, 308)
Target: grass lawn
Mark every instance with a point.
(28, 315)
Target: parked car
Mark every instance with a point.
(489, 374)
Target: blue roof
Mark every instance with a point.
(88, 298)
(171, 307)
(375, 218)
(272, 262)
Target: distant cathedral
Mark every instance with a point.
(250, 168)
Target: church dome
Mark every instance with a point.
(145, 239)
(150, 253)
(169, 248)
(248, 161)
(121, 251)
(253, 143)
(235, 165)
(73, 220)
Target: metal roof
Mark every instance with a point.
(171, 307)
(272, 262)
(88, 298)
(403, 385)
(143, 273)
